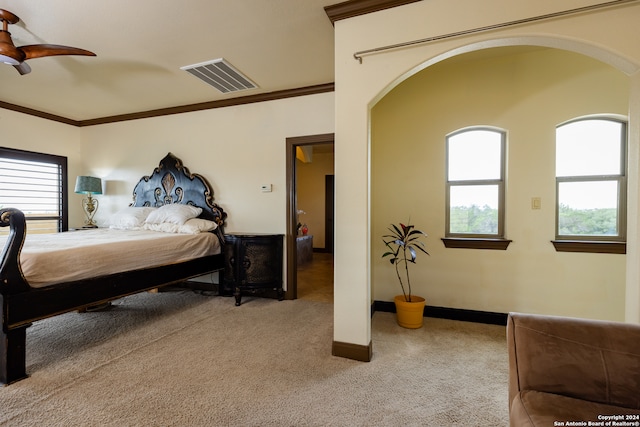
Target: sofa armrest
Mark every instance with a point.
(593, 360)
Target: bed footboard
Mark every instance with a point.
(12, 341)
(11, 278)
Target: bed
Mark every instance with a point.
(171, 188)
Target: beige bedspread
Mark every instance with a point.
(48, 259)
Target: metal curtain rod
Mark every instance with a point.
(358, 55)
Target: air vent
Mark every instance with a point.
(221, 75)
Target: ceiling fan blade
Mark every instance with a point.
(40, 50)
(23, 68)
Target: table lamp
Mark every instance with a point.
(89, 185)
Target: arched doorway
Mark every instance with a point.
(528, 91)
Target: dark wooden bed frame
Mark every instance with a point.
(21, 305)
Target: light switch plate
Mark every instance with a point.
(536, 203)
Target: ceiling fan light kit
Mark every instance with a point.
(8, 60)
(16, 56)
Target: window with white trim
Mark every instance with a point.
(35, 183)
(475, 183)
(591, 179)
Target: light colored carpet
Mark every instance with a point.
(183, 359)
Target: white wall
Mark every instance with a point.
(237, 149)
(360, 86)
(25, 132)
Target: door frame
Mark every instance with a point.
(329, 212)
(292, 260)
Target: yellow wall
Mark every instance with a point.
(527, 94)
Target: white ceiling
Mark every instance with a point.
(141, 45)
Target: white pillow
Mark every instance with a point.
(165, 227)
(197, 225)
(173, 213)
(191, 226)
(130, 217)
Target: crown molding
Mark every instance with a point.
(37, 113)
(351, 8)
(261, 97)
(250, 99)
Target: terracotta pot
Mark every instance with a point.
(409, 314)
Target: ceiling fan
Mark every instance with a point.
(16, 56)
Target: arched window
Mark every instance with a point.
(475, 183)
(591, 179)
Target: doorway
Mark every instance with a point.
(292, 145)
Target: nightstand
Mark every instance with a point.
(253, 263)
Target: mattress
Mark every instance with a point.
(47, 259)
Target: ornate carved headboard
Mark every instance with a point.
(171, 182)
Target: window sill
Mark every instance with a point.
(475, 243)
(590, 246)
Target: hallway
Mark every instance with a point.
(315, 278)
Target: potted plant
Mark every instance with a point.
(402, 245)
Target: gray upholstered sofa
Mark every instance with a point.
(564, 370)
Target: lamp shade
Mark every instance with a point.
(88, 185)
